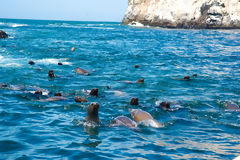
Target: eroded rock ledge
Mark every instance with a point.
(210, 14)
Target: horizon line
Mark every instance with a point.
(59, 20)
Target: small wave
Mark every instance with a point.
(9, 62)
(14, 25)
(53, 61)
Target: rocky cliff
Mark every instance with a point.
(184, 13)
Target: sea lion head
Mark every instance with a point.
(134, 101)
(3, 85)
(94, 92)
(38, 92)
(140, 81)
(57, 94)
(31, 63)
(186, 78)
(51, 74)
(136, 66)
(92, 114)
(165, 105)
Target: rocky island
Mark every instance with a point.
(209, 14)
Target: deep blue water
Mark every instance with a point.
(203, 129)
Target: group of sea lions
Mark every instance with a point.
(139, 116)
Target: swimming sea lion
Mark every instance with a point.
(39, 92)
(51, 74)
(3, 85)
(140, 81)
(136, 66)
(145, 118)
(57, 94)
(134, 101)
(31, 63)
(168, 106)
(231, 105)
(92, 114)
(186, 78)
(51, 99)
(124, 121)
(94, 92)
(194, 75)
(81, 71)
(165, 105)
(80, 99)
(59, 63)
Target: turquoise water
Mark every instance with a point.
(203, 129)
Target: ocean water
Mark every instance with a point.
(203, 128)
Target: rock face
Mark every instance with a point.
(212, 14)
(3, 34)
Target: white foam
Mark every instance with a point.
(9, 62)
(53, 61)
(136, 24)
(13, 24)
(118, 93)
(152, 123)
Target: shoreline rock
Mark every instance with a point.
(201, 14)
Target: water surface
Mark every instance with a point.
(202, 129)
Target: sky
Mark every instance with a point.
(76, 10)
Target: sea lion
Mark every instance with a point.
(92, 114)
(51, 74)
(39, 92)
(51, 99)
(136, 66)
(124, 121)
(165, 105)
(231, 105)
(94, 92)
(168, 106)
(134, 101)
(31, 62)
(57, 94)
(194, 75)
(81, 71)
(138, 81)
(3, 85)
(145, 118)
(59, 63)
(80, 99)
(186, 78)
